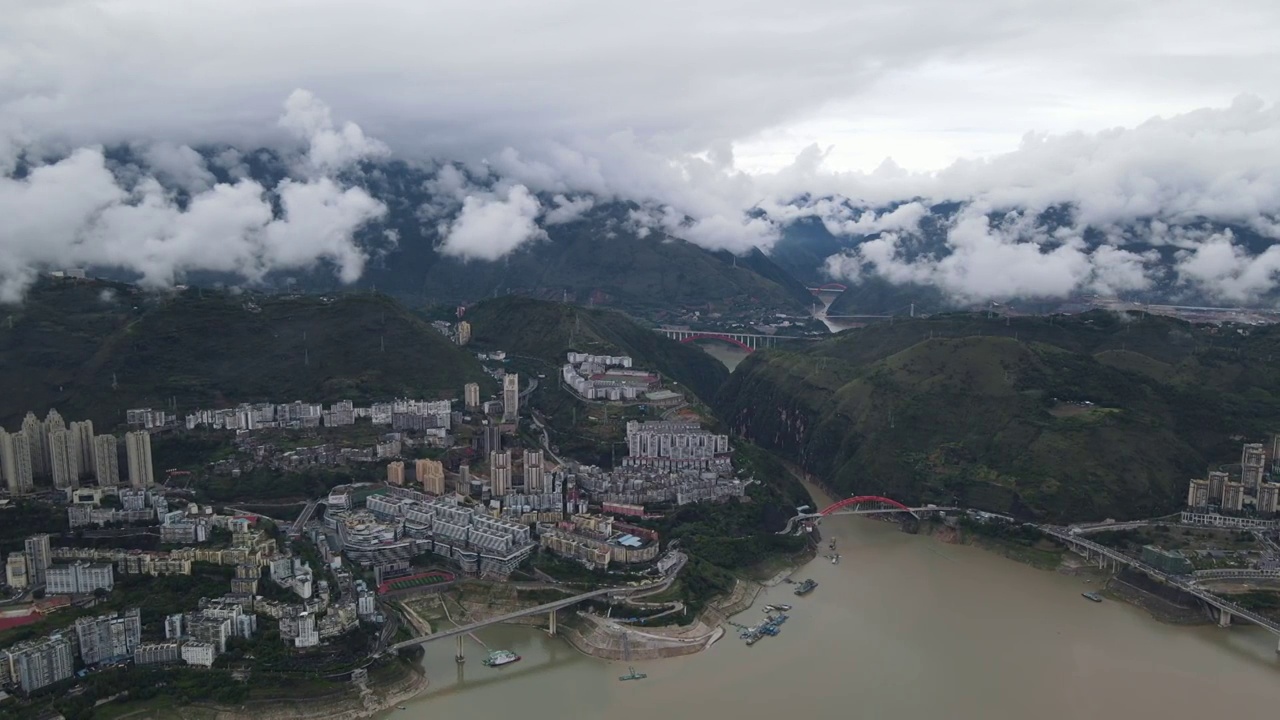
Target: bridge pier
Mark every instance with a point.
(1224, 618)
(460, 657)
(552, 623)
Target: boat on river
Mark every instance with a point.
(1092, 596)
(806, 587)
(498, 658)
(632, 675)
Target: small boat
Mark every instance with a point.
(782, 607)
(498, 658)
(632, 675)
(1092, 596)
(806, 587)
(835, 559)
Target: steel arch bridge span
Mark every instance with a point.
(866, 500)
(723, 338)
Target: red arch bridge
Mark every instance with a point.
(857, 505)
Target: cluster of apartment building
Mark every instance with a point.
(597, 540)
(197, 637)
(638, 486)
(607, 377)
(41, 662)
(65, 455)
(299, 414)
(194, 638)
(1252, 487)
(667, 462)
(459, 332)
(137, 505)
(403, 523)
(659, 441)
(132, 562)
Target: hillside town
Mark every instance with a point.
(311, 584)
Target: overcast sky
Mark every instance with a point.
(923, 81)
(702, 109)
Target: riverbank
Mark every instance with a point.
(353, 703)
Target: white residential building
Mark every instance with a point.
(199, 653)
(79, 578)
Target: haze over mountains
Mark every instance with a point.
(556, 151)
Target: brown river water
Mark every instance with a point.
(903, 627)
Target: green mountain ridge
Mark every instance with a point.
(94, 349)
(991, 413)
(547, 330)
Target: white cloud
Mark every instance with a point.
(1013, 260)
(75, 212)
(177, 165)
(567, 210)
(330, 147)
(490, 226)
(1229, 272)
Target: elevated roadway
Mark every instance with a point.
(614, 593)
(295, 530)
(1226, 609)
(792, 523)
(747, 341)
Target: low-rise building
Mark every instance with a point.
(157, 653)
(597, 540)
(15, 571)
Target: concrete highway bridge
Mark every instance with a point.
(1105, 555)
(747, 341)
(613, 594)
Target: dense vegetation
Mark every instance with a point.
(93, 349)
(547, 330)
(992, 413)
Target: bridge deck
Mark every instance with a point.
(537, 610)
(1185, 586)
